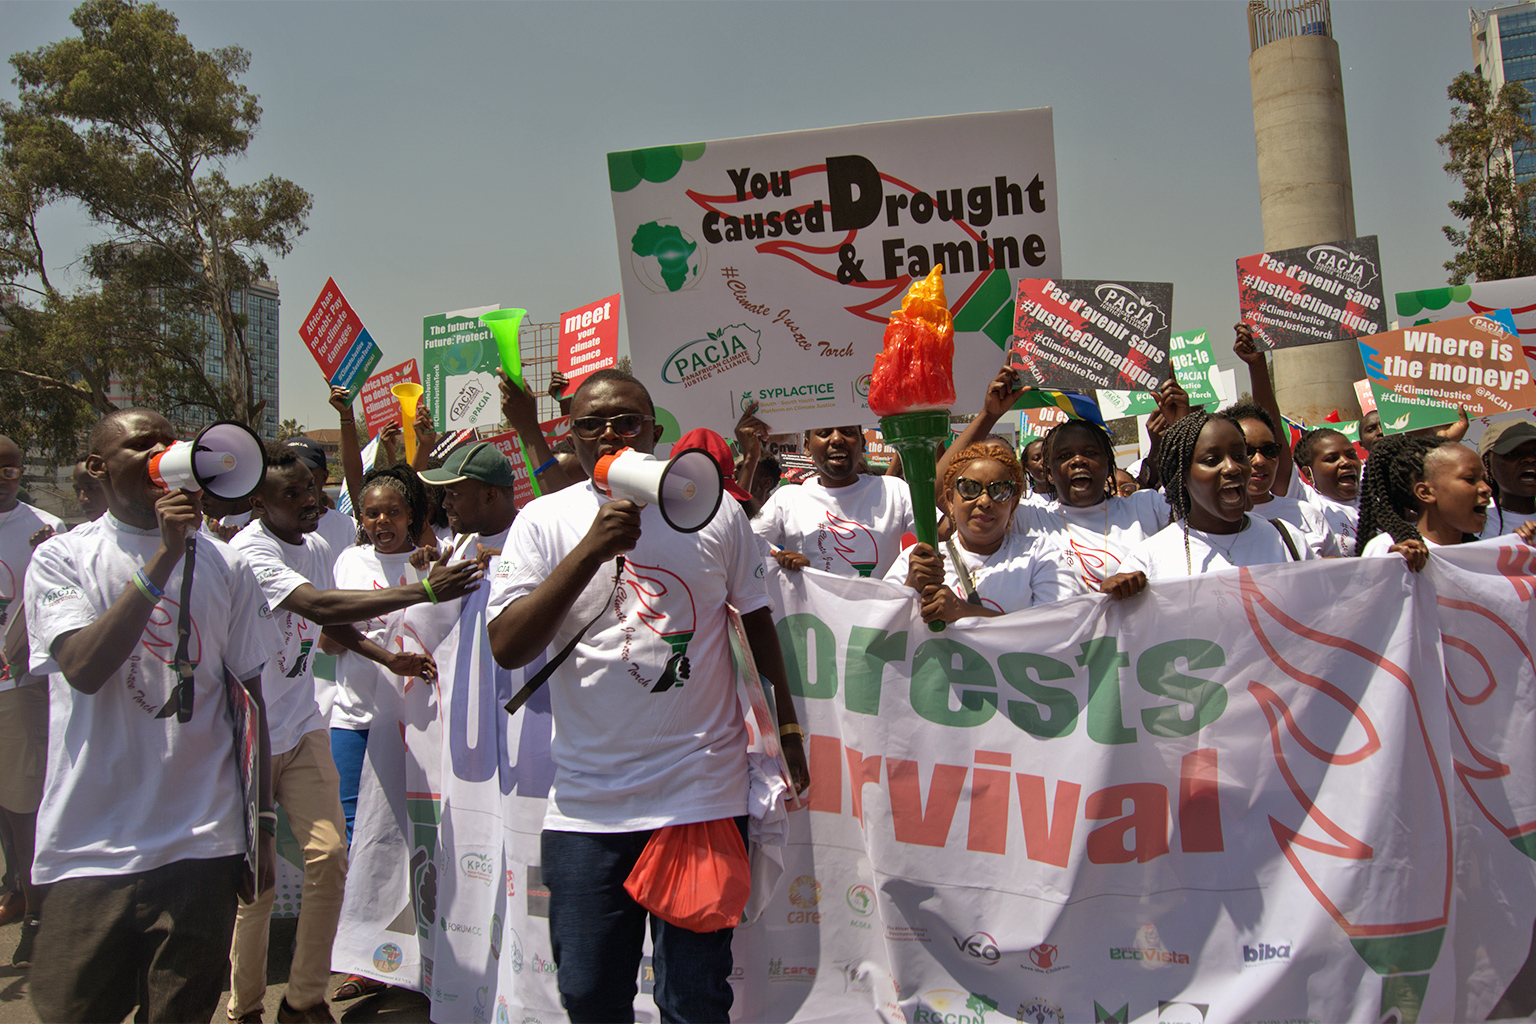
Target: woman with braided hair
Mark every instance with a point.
(1421, 493)
(984, 569)
(1509, 460)
(1205, 469)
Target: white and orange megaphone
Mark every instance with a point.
(226, 459)
(686, 490)
(409, 393)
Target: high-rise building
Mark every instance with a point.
(1504, 50)
(260, 305)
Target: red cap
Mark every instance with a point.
(713, 445)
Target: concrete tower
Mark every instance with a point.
(1305, 194)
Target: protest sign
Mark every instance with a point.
(764, 269)
(1194, 366)
(1092, 334)
(1516, 294)
(459, 362)
(589, 340)
(1421, 375)
(1367, 399)
(1313, 294)
(1091, 810)
(508, 444)
(1037, 422)
(337, 339)
(380, 407)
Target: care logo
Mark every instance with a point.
(477, 866)
(861, 899)
(725, 349)
(664, 257)
(979, 946)
(388, 957)
(1264, 954)
(805, 892)
(1126, 305)
(950, 1006)
(1342, 264)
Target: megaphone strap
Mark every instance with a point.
(542, 675)
(180, 703)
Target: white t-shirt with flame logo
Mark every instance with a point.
(854, 530)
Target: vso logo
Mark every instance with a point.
(980, 946)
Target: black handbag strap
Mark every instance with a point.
(542, 675)
(1285, 535)
(180, 703)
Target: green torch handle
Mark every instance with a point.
(915, 435)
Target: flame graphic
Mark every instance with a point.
(160, 639)
(849, 540)
(648, 588)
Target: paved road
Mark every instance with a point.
(395, 1006)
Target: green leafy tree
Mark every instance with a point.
(288, 429)
(132, 125)
(1486, 130)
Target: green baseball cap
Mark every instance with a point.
(480, 461)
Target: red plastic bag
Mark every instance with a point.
(695, 876)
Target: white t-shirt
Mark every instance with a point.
(1024, 572)
(1036, 500)
(1162, 556)
(627, 758)
(1343, 520)
(288, 681)
(1512, 521)
(1095, 539)
(126, 791)
(338, 529)
(854, 530)
(362, 567)
(16, 527)
(1381, 545)
(1310, 524)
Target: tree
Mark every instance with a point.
(288, 429)
(1486, 131)
(135, 127)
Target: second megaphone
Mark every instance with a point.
(686, 490)
(227, 460)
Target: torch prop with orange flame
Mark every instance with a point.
(912, 388)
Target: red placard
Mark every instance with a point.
(589, 340)
(380, 407)
(330, 328)
(508, 444)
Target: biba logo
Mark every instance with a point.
(1129, 307)
(725, 349)
(979, 946)
(804, 895)
(1344, 265)
(1263, 953)
(948, 1006)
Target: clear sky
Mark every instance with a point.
(456, 151)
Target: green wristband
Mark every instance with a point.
(143, 585)
(427, 586)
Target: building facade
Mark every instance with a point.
(1504, 50)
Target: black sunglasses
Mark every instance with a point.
(590, 428)
(998, 490)
(1269, 449)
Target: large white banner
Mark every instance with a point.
(767, 266)
(1259, 795)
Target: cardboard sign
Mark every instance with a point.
(380, 407)
(1038, 422)
(1194, 365)
(1092, 334)
(459, 362)
(1420, 375)
(508, 445)
(335, 336)
(765, 268)
(1313, 294)
(1367, 399)
(589, 340)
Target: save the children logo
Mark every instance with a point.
(849, 541)
(662, 603)
(719, 350)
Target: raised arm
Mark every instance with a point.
(521, 411)
(1003, 391)
(1264, 398)
(351, 455)
(750, 432)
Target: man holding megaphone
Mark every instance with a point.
(141, 828)
(648, 730)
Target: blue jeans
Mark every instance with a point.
(597, 932)
(347, 749)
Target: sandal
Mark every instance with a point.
(355, 986)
